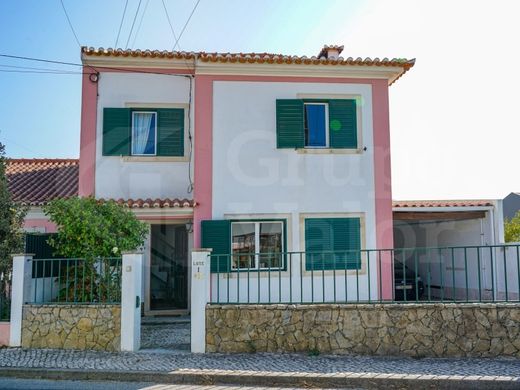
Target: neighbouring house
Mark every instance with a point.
(263, 158)
(511, 205)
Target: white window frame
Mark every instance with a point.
(132, 135)
(327, 140)
(257, 246)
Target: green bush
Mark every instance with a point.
(90, 229)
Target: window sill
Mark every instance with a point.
(154, 159)
(329, 151)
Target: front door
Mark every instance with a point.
(169, 268)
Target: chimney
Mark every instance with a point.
(330, 52)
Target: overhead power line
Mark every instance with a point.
(133, 23)
(170, 23)
(70, 23)
(186, 24)
(38, 71)
(121, 24)
(140, 23)
(81, 65)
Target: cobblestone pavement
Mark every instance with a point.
(269, 363)
(39, 384)
(166, 336)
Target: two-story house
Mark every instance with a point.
(251, 153)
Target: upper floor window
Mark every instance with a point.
(316, 123)
(143, 132)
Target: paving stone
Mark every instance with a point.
(261, 363)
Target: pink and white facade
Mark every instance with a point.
(231, 167)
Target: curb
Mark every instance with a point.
(270, 379)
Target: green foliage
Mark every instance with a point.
(512, 229)
(11, 220)
(90, 229)
(84, 281)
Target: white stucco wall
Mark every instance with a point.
(252, 178)
(118, 178)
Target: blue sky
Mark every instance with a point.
(453, 117)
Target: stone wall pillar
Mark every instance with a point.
(20, 291)
(200, 296)
(131, 301)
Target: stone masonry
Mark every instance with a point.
(420, 330)
(80, 326)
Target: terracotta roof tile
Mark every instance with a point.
(257, 58)
(442, 203)
(270, 58)
(155, 203)
(36, 181)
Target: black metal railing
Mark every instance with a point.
(440, 274)
(76, 281)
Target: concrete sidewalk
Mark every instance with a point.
(286, 370)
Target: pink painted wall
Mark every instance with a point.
(5, 328)
(383, 183)
(203, 151)
(37, 223)
(87, 152)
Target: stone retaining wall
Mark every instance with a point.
(441, 330)
(79, 326)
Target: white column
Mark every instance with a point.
(200, 296)
(131, 301)
(20, 291)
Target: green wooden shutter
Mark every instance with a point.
(318, 239)
(116, 131)
(170, 132)
(216, 235)
(289, 124)
(332, 234)
(343, 123)
(347, 237)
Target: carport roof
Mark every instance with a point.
(442, 203)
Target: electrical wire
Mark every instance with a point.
(121, 24)
(175, 36)
(30, 67)
(190, 139)
(140, 22)
(186, 24)
(171, 24)
(70, 23)
(133, 23)
(81, 65)
(39, 71)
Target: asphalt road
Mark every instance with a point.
(33, 384)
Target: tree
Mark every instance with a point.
(12, 215)
(90, 229)
(512, 229)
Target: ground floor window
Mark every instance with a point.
(332, 243)
(257, 245)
